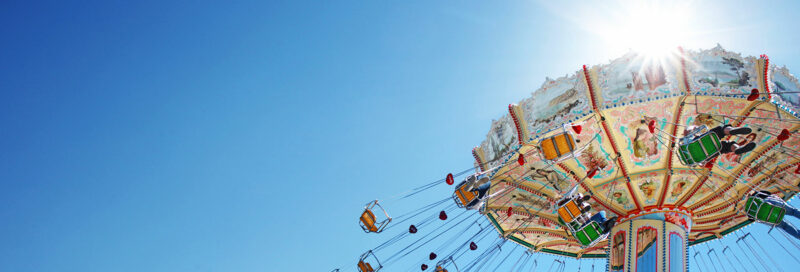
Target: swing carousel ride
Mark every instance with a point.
(631, 137)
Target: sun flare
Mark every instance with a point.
(654, 29)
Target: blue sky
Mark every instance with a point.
(247, 135)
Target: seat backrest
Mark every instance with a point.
(701, 148)
(464, 196)
(557, 145)
(758, 209)
(770, 213)
(696, 151)
(368, 219)
(564, 214)
(569, 211)
(365, 267)
(683, 155)
(590, 233)
(691, 150)
(565, 143)
(751, 206)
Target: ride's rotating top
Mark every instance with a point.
(623, 132)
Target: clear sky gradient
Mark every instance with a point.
(247, 135)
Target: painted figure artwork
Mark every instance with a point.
(719, 70)
(645, 144)
(759, 166)
(705, 119)
(787, 87)
(532, 201)
(736, 77)
(635, 122)
(646, 238)
(648, 188)
(632, 77)
(592, 159)
(551, 178)
(500, 140)
(505, 138)
(653, 74)
(677, 219)
(556, 102)
(680, 182)
(678, 187)
(619, 197)
(617, 261)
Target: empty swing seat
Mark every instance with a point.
(557, 146)
(367, 260)
(369, 222)
(462, 197)
(694, 151)
(759, 210)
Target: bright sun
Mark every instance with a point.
(652, 28)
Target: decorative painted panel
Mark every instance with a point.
(555, 104)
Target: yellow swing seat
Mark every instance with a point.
(462, 197)
(558, 146)
(369, 222)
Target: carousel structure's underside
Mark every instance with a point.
(629, 171)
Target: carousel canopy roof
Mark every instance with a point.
(626, 118)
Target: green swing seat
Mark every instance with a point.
(589, 234)
(760, 211)
(694, 151)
